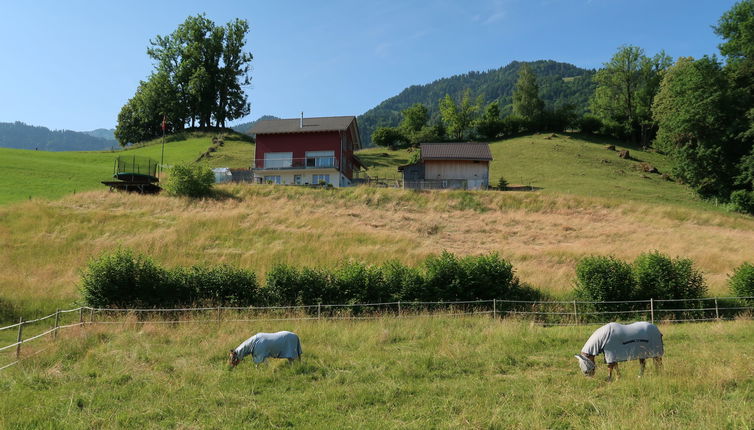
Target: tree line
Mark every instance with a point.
(198, 80)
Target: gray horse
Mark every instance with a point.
(282, 344)
(640, 340)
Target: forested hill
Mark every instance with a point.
(559, 84)
(18, 135)
(246, 126)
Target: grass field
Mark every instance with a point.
(470, 372)
(40, 174)
(543, 235)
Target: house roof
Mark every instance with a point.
(456, 151)
(293, 125)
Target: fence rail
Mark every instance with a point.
(554, 313)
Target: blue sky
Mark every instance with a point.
(73, 64)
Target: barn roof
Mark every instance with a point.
(456, 151)
(293, 125)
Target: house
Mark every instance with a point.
(454, 165)
(306, 151)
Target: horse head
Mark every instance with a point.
(233, 358)
(586, 364)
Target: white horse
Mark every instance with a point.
(282, 344)
(640, 340)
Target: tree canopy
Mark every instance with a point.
(200, 72)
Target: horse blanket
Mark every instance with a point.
(282, 344)
(625, 342)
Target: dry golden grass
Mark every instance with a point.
(46, 244)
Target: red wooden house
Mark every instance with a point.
(303, 151)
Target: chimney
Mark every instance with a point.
(301, 124)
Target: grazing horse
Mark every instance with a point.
(640, 340)
(282, 344)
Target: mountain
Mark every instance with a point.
(18, 135)
(103, 133)
(559, 84)
(246, 126)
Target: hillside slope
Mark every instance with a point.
(559, 84)
(42, 174)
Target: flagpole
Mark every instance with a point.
(162, 155)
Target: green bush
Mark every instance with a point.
(743, 201)
(660, 277)
(590, 124)
(604, 279)
(124, 279)
(190, 180)
(217, 286)
(487, 277)
(502, 184)
(742, 282)
(402, 282)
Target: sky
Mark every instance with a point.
(73, 64)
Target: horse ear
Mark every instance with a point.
(578, 357)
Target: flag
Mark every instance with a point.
(164, 122)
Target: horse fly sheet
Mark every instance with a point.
(282, 344)
(625, 342)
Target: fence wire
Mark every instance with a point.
(549, 313)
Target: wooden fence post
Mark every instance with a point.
(399, 308)
(81, 315)
(494, 308)
(717, 312)
(57, 324)
(18, 339)
(575, 313)
(91, 315)
(319, 310)
(652, 309)
(219, 315)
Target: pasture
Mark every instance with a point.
(430, 372)
(49, 175)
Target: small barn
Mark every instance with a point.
(452, 165)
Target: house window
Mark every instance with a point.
(320, 158)
(272, 179)
(278, 160)
(316, 179)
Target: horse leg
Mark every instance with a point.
(658, 365)
(642, 362)
(610, 371)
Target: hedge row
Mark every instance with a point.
(126, 279)
(651, 275)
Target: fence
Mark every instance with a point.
(561, 313)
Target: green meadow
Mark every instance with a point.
(50, 175)
(429, 372)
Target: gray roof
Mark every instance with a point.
(456, 151)
(293, 125)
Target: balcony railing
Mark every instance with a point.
(296, 163)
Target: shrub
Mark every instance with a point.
(513, 125)
(358, 283)
(190, 180)
(604, 279)
(502, 184)
(444, 278)
(660, 277)
(124, 279)
(487, 277)
(218, 286)
(590, 124)
(743, 201)
(742, 281)
(402, 282)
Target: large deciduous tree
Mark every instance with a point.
(459, 117)
(200, 72)
(626, 87)
(693, 115)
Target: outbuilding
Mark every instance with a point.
(451, 165)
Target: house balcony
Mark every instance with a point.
(296, 163)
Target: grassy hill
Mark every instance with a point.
(41, 174)
(559, 164)
(441, 373)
